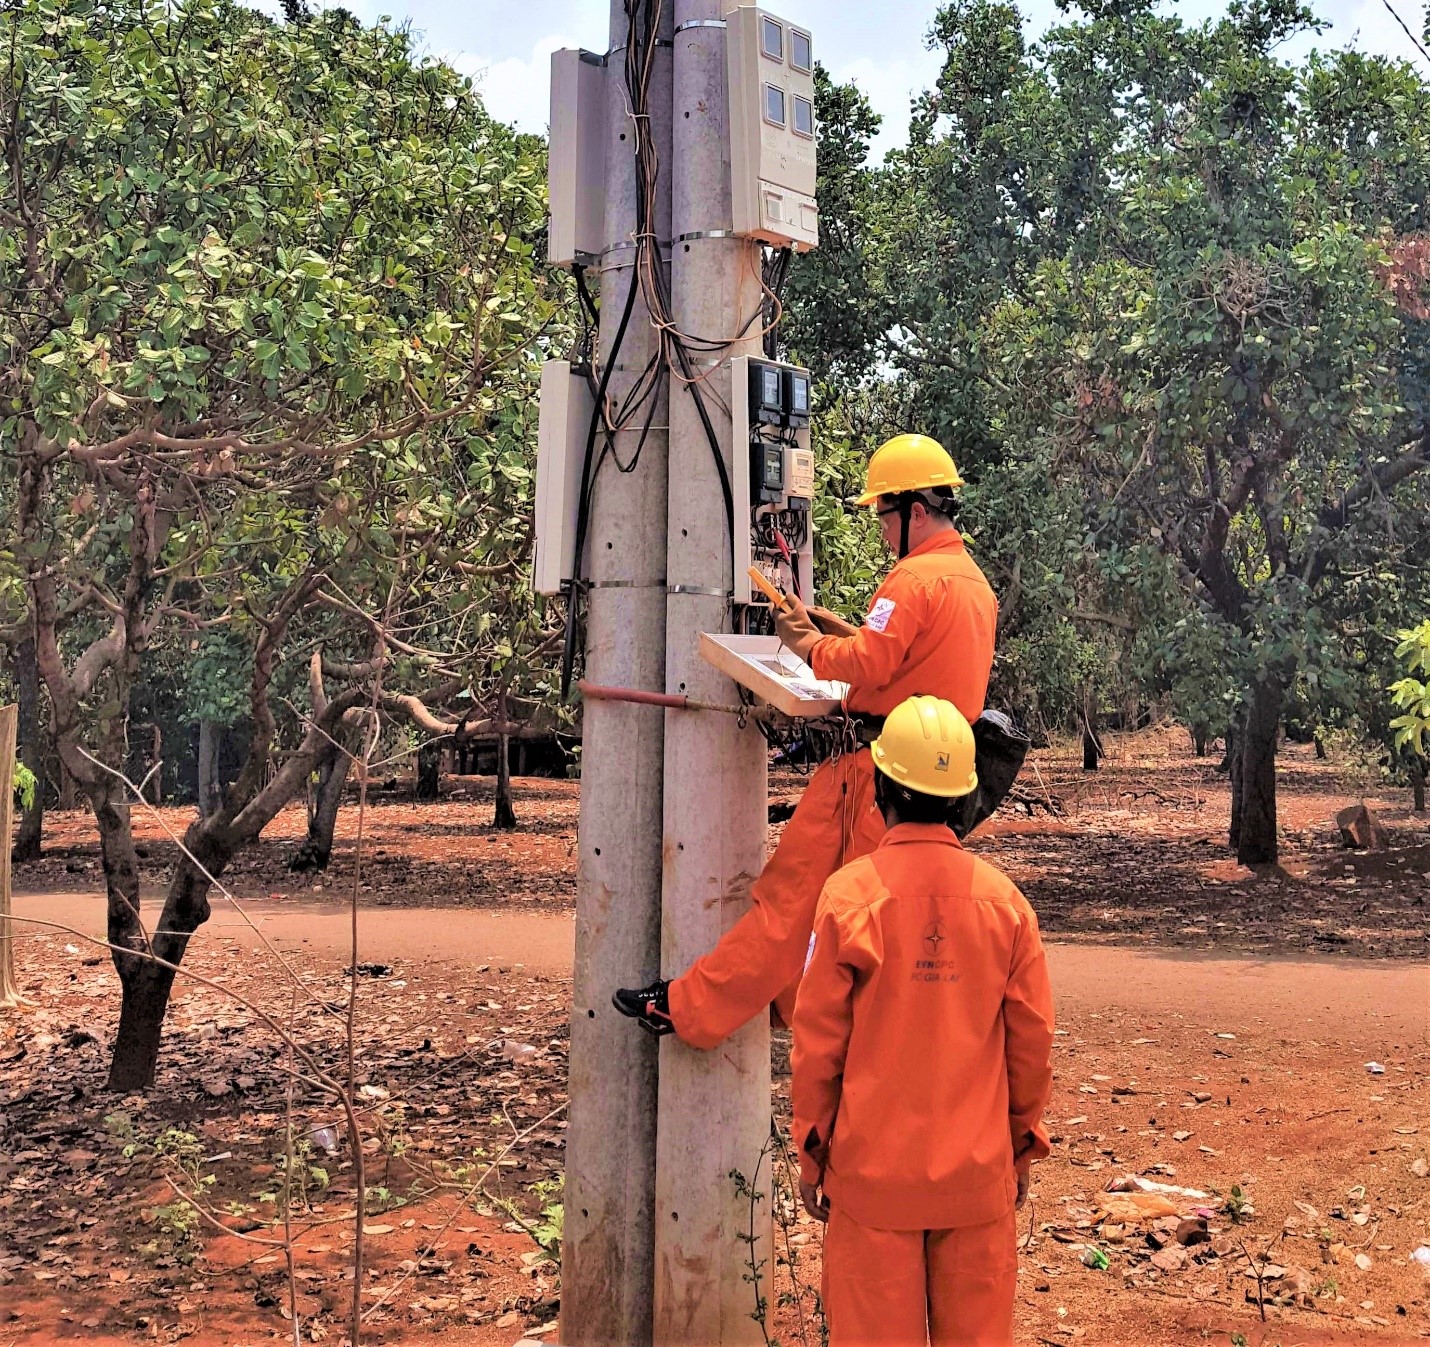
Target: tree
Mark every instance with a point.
(837, 301)
(257, 285)
(1225, 380)
(9, 715)
(1411, 697)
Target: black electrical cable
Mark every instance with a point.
(714, 440)
(638, 92)
(779, 274)
(587, 302)
(583, 511)
(643, 17)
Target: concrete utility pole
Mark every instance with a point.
(714, 1106)
(607, 1254)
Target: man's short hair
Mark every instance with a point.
(935, 499)
(913, 806)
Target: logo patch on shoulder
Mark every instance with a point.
(880, 614)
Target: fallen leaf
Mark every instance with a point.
(1127, 1207)
(1170, 1259)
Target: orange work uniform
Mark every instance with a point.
(922, 1065)
(929, 630)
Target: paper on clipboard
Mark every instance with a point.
(773, 673)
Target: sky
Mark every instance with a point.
(506, 44)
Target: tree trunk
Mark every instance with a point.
(209, 733)
(1199, 740)
(69, 791)
(1256, 842)
(317, 849)
(1091, 747)
(1320, 746)
(504, 816)
(145, 1002)
(9, 993)
(145, 984)
(1417, 785)
(429, 771)
(156, 765)
(31, 750)
(1232, 765)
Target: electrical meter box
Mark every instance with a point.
(563, 427)
(576, 160)
(771, 82)
(773, 478)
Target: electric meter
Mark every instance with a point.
(773, 479)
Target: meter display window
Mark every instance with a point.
(803, 117)
(770, 389)
(799, 395)
(800, 55)
(772, 468)
(772, 42)
(774, 105)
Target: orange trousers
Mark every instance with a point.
(760, 959)
(908, 1288)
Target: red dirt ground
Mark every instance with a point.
(1161, 947)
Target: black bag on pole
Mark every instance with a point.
(999, 750)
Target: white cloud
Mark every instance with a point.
(514, 89)
(1370, 27)
(880, 47)
(890, 85)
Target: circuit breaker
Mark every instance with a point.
(773, 479)
(770, 69)
(563, 427)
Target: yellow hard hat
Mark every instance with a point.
(908, 463)
(927, 746)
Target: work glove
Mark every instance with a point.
(831, 624)
(796, 628)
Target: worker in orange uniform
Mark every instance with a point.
(922, 1064)
(930, 629)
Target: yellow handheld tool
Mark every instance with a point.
(757, 578)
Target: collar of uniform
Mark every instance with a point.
(920, 832)
(950, 540)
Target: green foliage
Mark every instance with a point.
(551, 1229)
(248, 216)
(837, 299)
(24, 785)
(1161, 293)
(1235, 1204)
(176, 1227)
(176, 1223)
(1410, 695)
(216, 674)
(306, 260)
(308, 1180)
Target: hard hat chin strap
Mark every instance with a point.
(906, 511)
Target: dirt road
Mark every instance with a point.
(1215, 1028)
(1206, 1069)
(1368, 1005)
